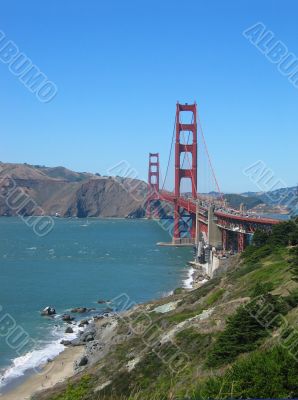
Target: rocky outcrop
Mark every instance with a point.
(48, 311)
(81, 362)
(107, 197)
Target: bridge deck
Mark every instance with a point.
(191, 206)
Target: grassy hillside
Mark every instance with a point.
(234, 337)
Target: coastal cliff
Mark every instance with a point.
(65, 193)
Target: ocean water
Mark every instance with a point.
(76, 264)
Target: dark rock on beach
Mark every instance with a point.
(81, 362)
(88, 335)
(89, 338)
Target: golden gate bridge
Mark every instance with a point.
(204, 216)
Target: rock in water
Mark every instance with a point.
(80, 310)
(69, 329)
(65, 342)
(67, 318)
(48, 311)
(83, 323)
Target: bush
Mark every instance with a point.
(192, 342)
(253, 255)
(283, 234)
(246, 328)
(179, 291)
(264, 243)
(260, 238)
(76, 391)
(293, 261)
(261, 289)
(292, 299)
(263, 374)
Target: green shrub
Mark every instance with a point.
(254, 255)
(246, 328)
(263, 374)
(214, 297)
(283, 234)
(192, 342)
(260, 238)
(76, 391)
(179, 291)
(293, 263)
(292, 298)
(261, 289)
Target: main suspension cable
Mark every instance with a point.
(169, 159)
(209, 160)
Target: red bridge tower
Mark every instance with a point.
(153, 183)
(190, 150)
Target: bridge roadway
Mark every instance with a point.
(227, 219)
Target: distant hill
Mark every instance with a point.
(280, 200)
(67, 193)
(234, 200)
(58, 190)
(64, 173)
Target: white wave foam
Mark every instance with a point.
(167, 294)
(188, 282)
(37, 357)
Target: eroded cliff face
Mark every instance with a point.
(107, 197)
(39, 190)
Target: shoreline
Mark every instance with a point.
(56, 371)
(61, 367)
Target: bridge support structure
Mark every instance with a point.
(241, 242)
(224, 239)
(214, 232)
(153, 185)
(190, 149)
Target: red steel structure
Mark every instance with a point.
(187, 150)
(153, 183)
(191, 209)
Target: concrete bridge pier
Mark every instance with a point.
(214, 232)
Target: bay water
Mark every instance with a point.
(78, 263)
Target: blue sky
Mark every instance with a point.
(120, 66)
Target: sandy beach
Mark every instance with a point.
(56, 371)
